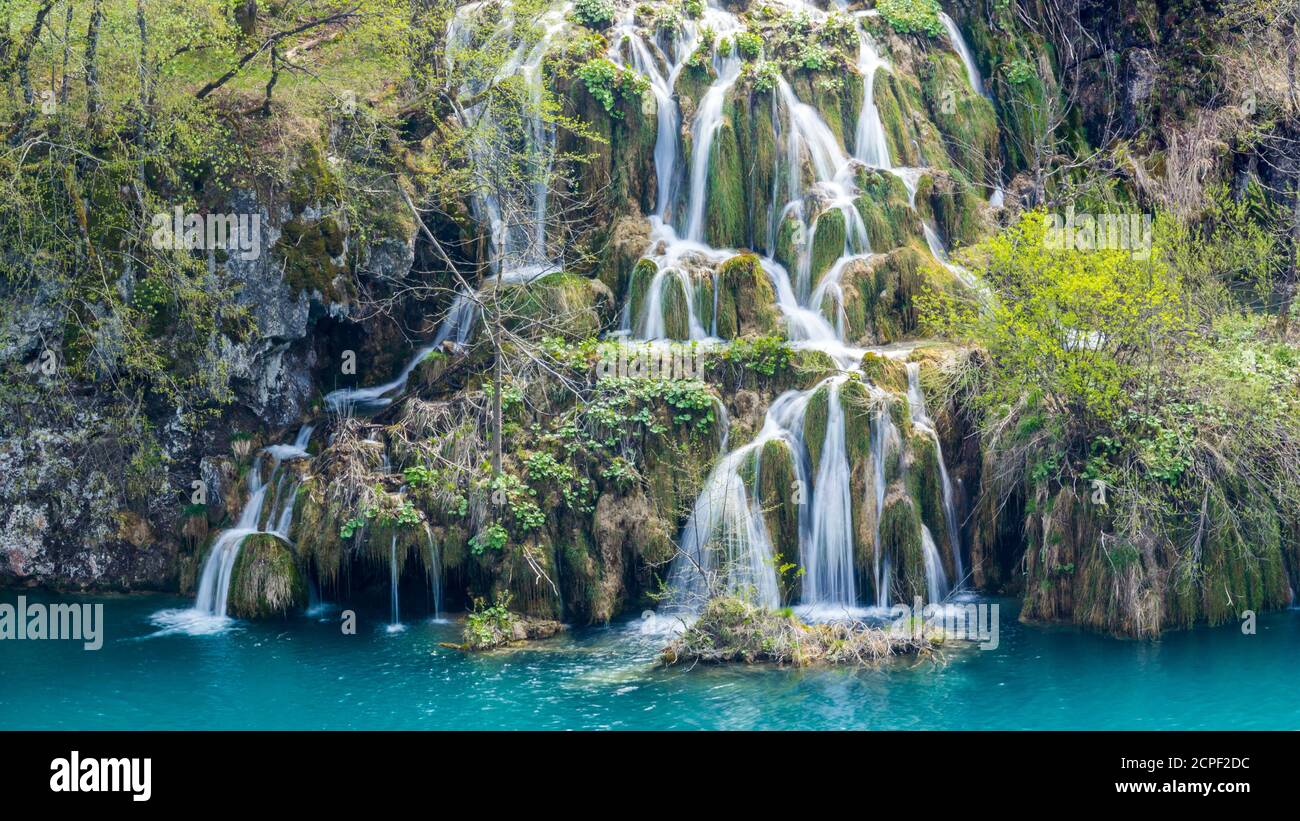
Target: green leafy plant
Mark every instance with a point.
(595, 14)
(912, 16)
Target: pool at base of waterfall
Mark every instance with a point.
(305, 673)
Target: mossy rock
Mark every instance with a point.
(726, 214)
(789, 243)
(572, 305)
(265, 580)
(913, 140)
(777, 494)
(879, 293)
(925, 484)
(315, 535)
(753, 123)
(815, 418)
(884, 372)
(953, 204)
(808, 367)
(965, 118)
(886, 211)
(837, 97)
(307, 249)
(643, 273)
(829, 233)
(676, 308)
(900, 541)
(745, 298)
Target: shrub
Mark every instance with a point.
(912, 16)
(596, 14)
(749, 44)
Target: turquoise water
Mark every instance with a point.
(305, 674)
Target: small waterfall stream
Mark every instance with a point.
(916, 405)
(964, 52)
(210, 604)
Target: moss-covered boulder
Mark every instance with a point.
(571, 305)
(726, 215)
(879, 292)
(884, 372)
(900, 542)
(954, 205)
(780, 498)
(886, 211)
(266, 580)
(745, 298)
(828, 235)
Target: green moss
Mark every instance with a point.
(312, 182)
(726, 213)
(572, 305)
(900, 540)
(789, 237)
(884, 372)
(315, 535)
(676, 308)
(855, 400)
(886, 211)
(777, 494)
(638, 284)
(879, 293)
(925, 484)
(964, 117)
(828, 242)
(757, 139)
(810, 367)
(913, 140)
(265, 580)
(745, 298)
(814, 424)
(305, 249)
(955, 206)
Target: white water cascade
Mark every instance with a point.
(255, 518)
(921, 419)
(964, 52)
(725, 541)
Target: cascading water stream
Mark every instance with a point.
(725, 540)
(916, 405)
(210, 604)
(827, 556)
(964, 52)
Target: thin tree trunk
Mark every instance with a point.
(496, 401)
(24, 56)
(67, 54)
(93, 100)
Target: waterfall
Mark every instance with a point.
(708, 118)
(210, 604)
(964, 52)
(936, 583)
(827, 557)
(518, 222)
(395, 612)
(725, 542)
(916, 404)
(435, 575)
(869, 143)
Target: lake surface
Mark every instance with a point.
(304, 673)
